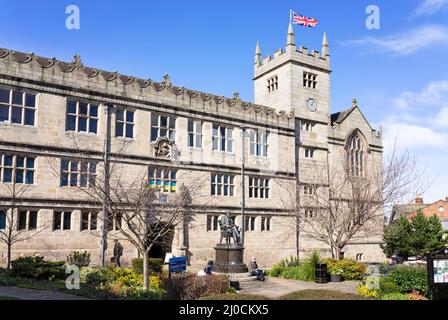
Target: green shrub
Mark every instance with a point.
(294, 273)
(122, 283)
(387, 286)
(364, 291)
(92, 276)
(276, 271)
(292, 261)
(291, 269)
(410, 278)
(6, 281)
(349, 269)
(231, 290)
(37, 268)
(395, 296)
(79, 259)
(127, 278)
(138, 293)
(155, 265)
(308, 267)
(330, 262)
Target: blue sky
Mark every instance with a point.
(399, 74)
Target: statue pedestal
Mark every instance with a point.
(229, 259)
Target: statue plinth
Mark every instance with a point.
(229, 259)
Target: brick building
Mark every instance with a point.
(438, 208)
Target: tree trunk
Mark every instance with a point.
(8, 261)
(337, 253)
(145, 271)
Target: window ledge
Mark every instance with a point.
(125, 139)
(217, 196)
(9, 124)
(223, 153)
(87, 134)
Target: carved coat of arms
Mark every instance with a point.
(165, 148)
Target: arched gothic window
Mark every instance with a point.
(356, 155)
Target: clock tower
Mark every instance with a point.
(296, 79)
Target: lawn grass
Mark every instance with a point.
(321, 295)
(7, 298)
(86, 291)
(299, 295)
(235, 296)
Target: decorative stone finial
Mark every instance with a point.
(325, 46)
(77, 60)
(379, 133)
(258, 57)
(167, 80)
(354, 102)
(291, 38)
(236, 96)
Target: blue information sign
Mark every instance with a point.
(178, 264)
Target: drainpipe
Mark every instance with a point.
(243, 185)
(297, 200)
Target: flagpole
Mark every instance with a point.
(290, 14)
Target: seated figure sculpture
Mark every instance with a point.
(229, 230)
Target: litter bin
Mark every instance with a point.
(321, 273)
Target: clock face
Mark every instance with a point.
(311, 104)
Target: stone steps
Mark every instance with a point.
(241, 277)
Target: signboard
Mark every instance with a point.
(438, 275)
(178, 264)
(440, 271)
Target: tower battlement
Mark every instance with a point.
(300, 55)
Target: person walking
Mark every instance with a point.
(118, 252)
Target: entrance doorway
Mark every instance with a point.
(162, 246)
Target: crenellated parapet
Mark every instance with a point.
(50, 71)
(300, 55)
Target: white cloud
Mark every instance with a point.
(421, 120)
(413, 137)
(434, 95)
(420, 126)
(407, 43)
(428, 7)
(442, 118)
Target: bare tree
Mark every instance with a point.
(141, 213)
(346, 204)
(12, 199)
(144, 217)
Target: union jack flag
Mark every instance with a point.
(305, 21)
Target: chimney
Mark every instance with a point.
(419, 199)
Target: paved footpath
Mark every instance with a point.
(29, 294)
(276, 287)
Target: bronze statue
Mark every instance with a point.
(229, 230)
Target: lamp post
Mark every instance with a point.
(106, 160)
(243, 183)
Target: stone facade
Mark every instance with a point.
(49, 140)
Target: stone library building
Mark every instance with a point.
(57, 117)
